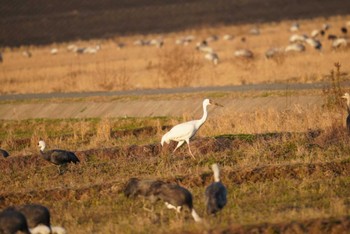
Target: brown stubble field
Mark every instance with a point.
(286, 171)
(135, 67)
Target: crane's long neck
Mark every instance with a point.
(348, 104)
(204, 117)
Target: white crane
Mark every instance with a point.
(185, 131)
(212, 57)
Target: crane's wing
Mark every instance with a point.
(63, 156)
(182, 131)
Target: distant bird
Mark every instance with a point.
(27, 54)
(12, 221)
(204, 47)
(1, 58)
(340, 43)
(176, 197)
(297, 38)
(57, 156)
(71, 47)
(244, 53)
(184, 40)
(273, 52)
(295, 47)
(54, 51)
(215, 193)
(4, 153)
(213, 57)
(185, 131)
(120, 45)
(295, 27)
(314, 33)
(332, 37)
(227, 37)
(92, 50)
(325, 26)
(157, 42)
(347, 97)
(254, 31)
(316, 44)
(344, 30)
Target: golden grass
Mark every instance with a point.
(141, 67)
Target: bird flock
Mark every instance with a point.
(176, 197)
(298, 41)
(35, 218)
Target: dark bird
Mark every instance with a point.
(143, 188)
(332, 37)
(39, 219)
(215, 193)
(4, 153)
(36, 215)
(12, 221)
(175, 197)
(344, 30)
(347, 97)
(57, 156)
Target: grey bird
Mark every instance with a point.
(176, 197)
(12, 221)
(36, 215)
(57, 156)
(215, 193)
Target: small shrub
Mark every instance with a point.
(179, 69)
(333, 90)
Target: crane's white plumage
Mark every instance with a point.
(185, 131)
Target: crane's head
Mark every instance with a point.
(165, 139)
(207, 102)
(42, 145)
(346, 96)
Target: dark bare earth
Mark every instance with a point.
(27, 23)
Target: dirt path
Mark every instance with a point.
(151, 108)
(155, 107)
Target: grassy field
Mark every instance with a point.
(284, 171)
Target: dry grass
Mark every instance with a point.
(276, 170)
(141, 67)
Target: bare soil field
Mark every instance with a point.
(42, 23)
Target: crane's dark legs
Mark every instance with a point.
(62, 169)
